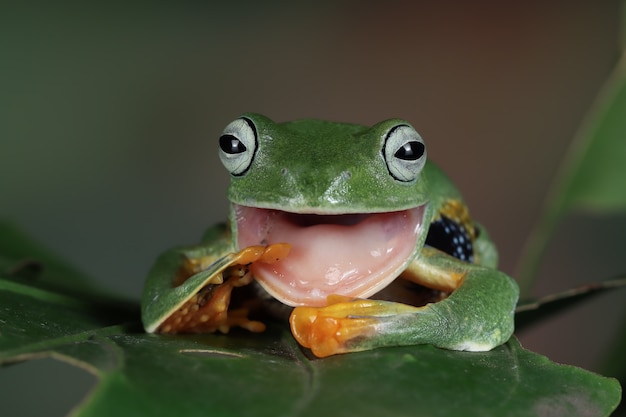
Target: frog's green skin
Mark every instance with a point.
(319, 167)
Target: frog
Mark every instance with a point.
(361, 238)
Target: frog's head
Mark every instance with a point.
(348, 198)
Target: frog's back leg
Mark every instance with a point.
(485, 252)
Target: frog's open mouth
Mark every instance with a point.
(355, 255)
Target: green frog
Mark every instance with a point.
(366, 242)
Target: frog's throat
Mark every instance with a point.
(354, 255)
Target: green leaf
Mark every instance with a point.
(592, 175)
(242, 374)
(596, 168)
(615, 361)
(23, 261)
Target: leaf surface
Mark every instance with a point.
(268, 374)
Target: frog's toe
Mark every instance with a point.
(337, 299)
(325, 334)
(239, 318)
(314, 331)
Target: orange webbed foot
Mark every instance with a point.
(338, 327)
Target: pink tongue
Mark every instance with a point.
(355, 260)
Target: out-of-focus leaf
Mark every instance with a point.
(23, 261)
(592, 175)
(242, 374)
(597, 172)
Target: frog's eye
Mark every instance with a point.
(238, 145)
(404, 152)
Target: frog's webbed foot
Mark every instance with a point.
(344, 325)
(208, 309)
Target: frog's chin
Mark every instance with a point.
(354, 255)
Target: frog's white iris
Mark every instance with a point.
(404, 153)
(354, 255)
(238, 146)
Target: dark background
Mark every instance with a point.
(109, 117)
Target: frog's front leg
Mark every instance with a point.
(208, 310)
(476, 316)
(189, 290)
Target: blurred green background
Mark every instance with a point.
(109, 117)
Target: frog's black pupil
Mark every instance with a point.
(450, 237)
(231, 145)
(410, 151)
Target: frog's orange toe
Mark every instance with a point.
(314, 331)
(301, 321)
(275, 252)
(336, 299)
(327, 335)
